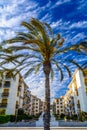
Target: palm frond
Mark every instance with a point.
(83, 47)
(27, 35)
(75, 63)
(23, 65)
(14, 40)
(84, 65)
(59, 69)
(67, 68)
(55, 40)
(76, 47)
(37, 68)
(50, 30)
(8, 51)
(17, 48)
(30, 27)
(29, 72)
(41, 28)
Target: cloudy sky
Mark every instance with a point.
(67, 17)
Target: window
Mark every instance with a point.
(5, 92)
(17, 104)
(0, 84)
(17, 94)
(19, 88)
(4, 103)
(78, 104)
(57, 101)
(7, 84)
(76, 92)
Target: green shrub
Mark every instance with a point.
(68, 117)
(62, 116)
(74, 117)
(12, 118)
(4, 119)
(19, 117)
(26, 117)
(20, 111)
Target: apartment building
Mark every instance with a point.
(11, 93)
(26, 101)
(58, 105)
(69, 108)
(78, 91)
(32, 105)
(36, 105)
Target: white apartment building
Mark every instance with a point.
(32, 105)
(11, 93)
(35, 105)
(58, 105)
(78, 90)
(69, 108)
(26, 101)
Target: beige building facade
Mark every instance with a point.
(58, 105)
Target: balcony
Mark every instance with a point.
(5, 94)
(2, 105)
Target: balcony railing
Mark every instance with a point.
(3, 105)
(5, 94)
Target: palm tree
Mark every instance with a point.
(35, 48)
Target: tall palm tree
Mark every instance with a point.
(35, 48)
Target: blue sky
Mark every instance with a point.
(67, 17)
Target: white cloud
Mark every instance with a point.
(60, 24)
(11, 15)
(18, 2)
(47, 18)
(82, 5)
(60, 2)
(56, 24)
(39, 89)
(78, 37)
(46, 6)
(8, 9)
(80, 24)
(10, 23)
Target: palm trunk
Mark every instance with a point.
(46, 69)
